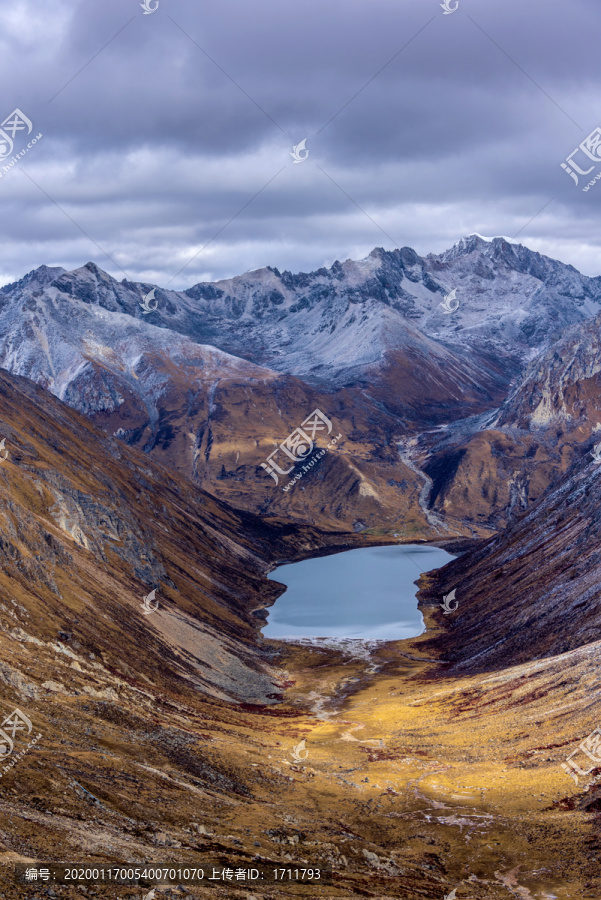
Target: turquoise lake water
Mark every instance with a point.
(367, 594)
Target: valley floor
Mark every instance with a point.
(408, 784)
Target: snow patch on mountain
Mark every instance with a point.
(53, 330)
(335, 326)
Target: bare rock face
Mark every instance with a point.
(210, 380)
(335, 324)
(131, 599)
(532, 591)
(551, 418)
(89, 529)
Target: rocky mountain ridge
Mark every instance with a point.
(508, 296)
(531, 591)
(170, 736)
(551, 419)
(89, 528)
(346, 318)
(214, 378)
(433, 763)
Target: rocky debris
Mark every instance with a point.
(532, 591)
(168, 718)
(84, 591)
(385, 865)
(213, 380)
(14, 679)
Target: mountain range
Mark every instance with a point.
(432, 407)
(138, 525)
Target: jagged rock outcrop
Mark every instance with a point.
(531, 591)
(88, 528)
(367, 342)
(551, 418)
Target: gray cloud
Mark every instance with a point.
(151, 149)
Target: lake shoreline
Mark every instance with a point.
(456, 546)
(362, 594)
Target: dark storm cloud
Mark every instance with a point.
(151, 147)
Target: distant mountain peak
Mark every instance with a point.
(489, 240)
(476, 241)
(39, 277)
(333, 324)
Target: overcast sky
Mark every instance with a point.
(166, 132)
